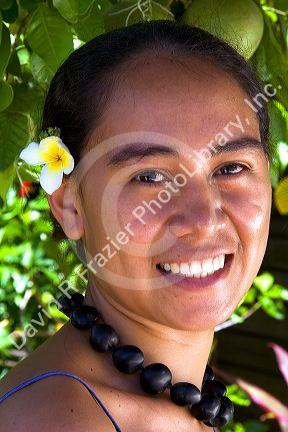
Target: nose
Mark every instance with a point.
(198, 212)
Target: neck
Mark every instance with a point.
(184, 352)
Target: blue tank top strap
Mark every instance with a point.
(59, 372)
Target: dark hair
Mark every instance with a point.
(83, 85)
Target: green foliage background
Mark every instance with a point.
(36, 36)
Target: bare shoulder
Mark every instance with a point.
(57, 403)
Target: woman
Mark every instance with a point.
(168, 151)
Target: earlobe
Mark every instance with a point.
(66, 210)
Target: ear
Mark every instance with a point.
(66, 209)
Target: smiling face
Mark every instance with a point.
(223, 208)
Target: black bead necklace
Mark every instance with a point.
(209, 405)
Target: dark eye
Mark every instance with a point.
(149, 178)
(232, 169)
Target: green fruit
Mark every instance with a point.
(240, 23)
(127, 13)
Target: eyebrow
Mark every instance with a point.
(141, 150)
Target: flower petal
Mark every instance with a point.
(67, 158)
(282, 359)
(261, 397)
(49, 148)
(70, 164)
(31, 154)
(50, 180)
(61, 144)
(265, 400)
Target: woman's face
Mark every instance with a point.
(223, 206)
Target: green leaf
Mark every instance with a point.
(12, 230)
(255, 426)
(0, 27)
(29, 5)
(5, 339)
(258, 60)
(22, 94)
(93, 24)
(10, 15)
(6, 4)
(128, 12)
(250, 296)
(14, 67)
(72, 10)
(275, 168)
(6, 95)
(84, 6)
(237, 395)
(28, 173)
(5, 50)
(23, 55)
(49, 36)
(273, 308)
(40, 70)
(278, 124)
(264, 281)
(27, 98)
(278, 292)
(281, 5)
(276, 59)
(6, 179)
(12, 138)
(68, 9)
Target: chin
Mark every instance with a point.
(201, 316)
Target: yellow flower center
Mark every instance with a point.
(55, 156)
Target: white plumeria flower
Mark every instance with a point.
(55, 156)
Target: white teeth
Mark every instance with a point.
(174, 268)
(185, 269)
(196, 268)
(216, 263)
(207, 266)
(221, 260)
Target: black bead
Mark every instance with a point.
(77, 299)
(64, 304)
(155, 378)
(67, 305)
(215, 387)
(128, 358)
(224, 415)
(84, 317)
(184, 393)
(207, 408)
(103, 337)
(208, 374)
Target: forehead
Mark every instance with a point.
(190, 99)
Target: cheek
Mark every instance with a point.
(249, 211)
(249, 214)
(145, 216)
